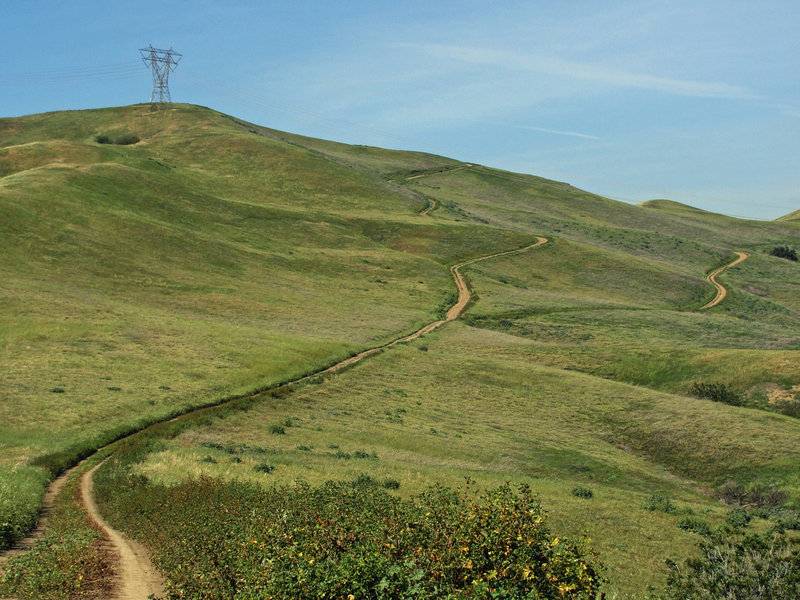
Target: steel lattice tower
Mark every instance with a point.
(161, 62)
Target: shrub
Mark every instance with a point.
(391, 484)
(738, 517)
(790, 408)
(340, 540)
(364, 480)
(718, 392)
(363, 454)
(582, 492)
(214, 445)
(277, 428)
(784, 252)
(57, 390)
(209, 459)
(264, 468)
(736, 567)
(124, 139)
(757, 494)
(659, 503)
(694, 525)
(127, 139)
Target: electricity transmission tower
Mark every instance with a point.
(161, 62)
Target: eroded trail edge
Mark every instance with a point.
(712, 278)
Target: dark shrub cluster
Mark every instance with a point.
(582, 492)
(718, 392)
(125, 139)
(784, 252)
(756, 494)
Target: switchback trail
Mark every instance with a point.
(136, 578)
(712, 277)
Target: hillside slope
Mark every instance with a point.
(215, 257)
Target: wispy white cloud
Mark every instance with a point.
(582, 71)
(558, 132)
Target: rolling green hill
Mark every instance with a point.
(214, 258)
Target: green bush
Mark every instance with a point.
(694, 525)
(758, 567)
(582, 492)
(277, 428)
(660, 503)
(214, 540)
(718, 392)
(264, 468)
(738, 517)
(784, 252)
(124, 139)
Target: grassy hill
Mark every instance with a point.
(214, 258)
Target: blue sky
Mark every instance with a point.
(697, 102)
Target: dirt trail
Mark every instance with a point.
(712, 277)
(431, 206)
(136, 576)
(137, 579)
(48, 500)
(464, 296)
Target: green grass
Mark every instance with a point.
(473, 405)
(214, 258)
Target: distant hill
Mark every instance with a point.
(793, 216)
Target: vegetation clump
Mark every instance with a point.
(657, 502)
(342, 540)
(125, 139)
(694, 525)
(784, 251)
(751, 566)
(757, 494)
(582, 492)
(718, 392)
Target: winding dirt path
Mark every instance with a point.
(712, 277)
(464, 296)
(431, 206)
(137, 579)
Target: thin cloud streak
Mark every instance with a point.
(583, 71)
(557, 132)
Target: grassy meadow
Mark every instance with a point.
(215, 258)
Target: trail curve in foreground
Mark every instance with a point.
(136, 579)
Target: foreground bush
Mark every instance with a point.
(738, 568)
(223, 540)
(67, 563)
